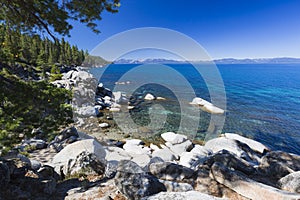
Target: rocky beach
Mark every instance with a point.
(93, 159)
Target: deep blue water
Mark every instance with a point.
(263, 100)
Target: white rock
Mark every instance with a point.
(154, 147)
(130, 107)
(107, 98)
(108, 103)
(201, 150)
(114, 109)
(178, 149)
(133, 147)
(149, 97)
(141, 159)
(212, 109)
(166, 154)
(115, 105)
(207, 106)
(104, 125)
(168, 144)
(187, 159)
(161, 98)
(134, 141)
(100, 85)
(234, 146)
(119, 97)
(86, 111)
(116, 154)
(220, 143)
(71, 151)
(256, 146)
(173, 138)
(82, 75)
(201, 102)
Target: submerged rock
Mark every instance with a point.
(207, 106)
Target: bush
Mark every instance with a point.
(25, 105)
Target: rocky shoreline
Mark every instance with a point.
(76, 165)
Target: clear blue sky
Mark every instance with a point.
(225, 28)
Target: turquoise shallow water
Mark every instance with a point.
(263, 100)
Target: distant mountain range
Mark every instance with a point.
(283, 60)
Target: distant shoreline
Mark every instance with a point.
(216, 61)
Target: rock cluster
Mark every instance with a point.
(20, 181)
(230, 166)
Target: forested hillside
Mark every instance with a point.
(27, 100)
(32, 49)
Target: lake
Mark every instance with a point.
(263, 100)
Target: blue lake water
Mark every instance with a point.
(263, 100)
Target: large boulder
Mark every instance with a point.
(72, 151)
(254, 145)
(172, 172)
(241, 149)
(290, 182)
(278, 164)
(247, 187)
(86, 163)
(165, 153)
(230, 160)
(134, 183)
